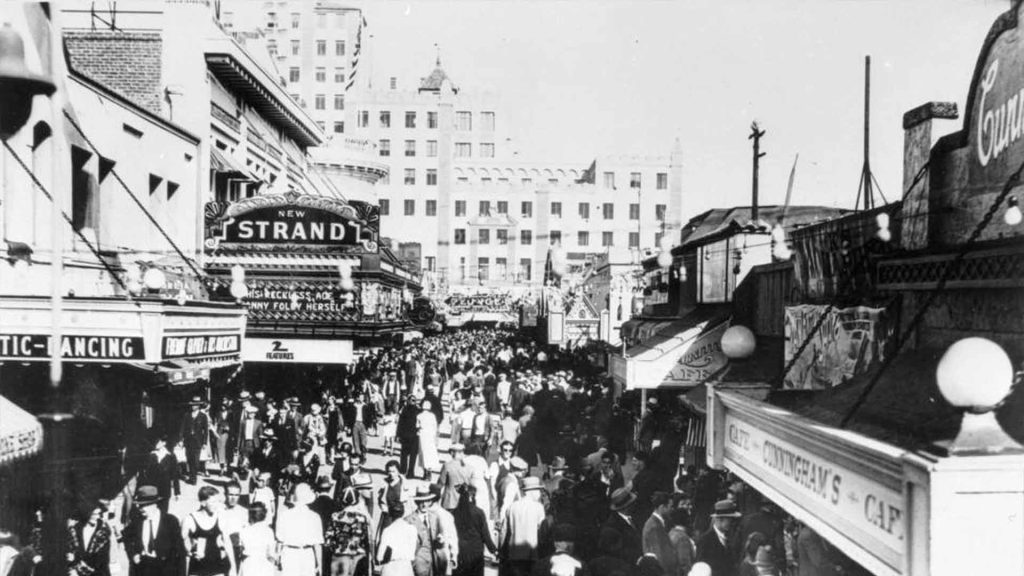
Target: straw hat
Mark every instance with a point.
(531, 483)
(622, 498)
(146, 495)
(726, 509)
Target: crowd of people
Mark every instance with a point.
(495, 452)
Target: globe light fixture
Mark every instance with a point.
(975, 375)
(883, 233)
(239, 290)
(665, 259)
(1012, 216)
(154, 278)
(738, 342)
(347, 284)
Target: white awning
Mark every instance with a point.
(21, 434)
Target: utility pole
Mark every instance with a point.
(866, 179)
(755, 134)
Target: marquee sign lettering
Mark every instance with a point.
(293, 221)
(73, 347)
(196, 346)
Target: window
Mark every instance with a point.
(463, 149)
(607, 239)
(460, 235)
(339, 47)
(431, 209)
(634, 179)
(431, 263)
(502, 207)
(487, 121)
(364, 118)
(634, 211)
(527, 181)
(526, 237)
(556, 236)
(502, 234)
(385, 147)
(483, 269)
(525, 269)
(339, 101)
(293, 75)
(659, 212)
(410, 147)
(431, 148)
(339, 75)
(410, 207)
(394, 83)
(500, 268)
(464, 121)
(385, 119)
(526, 209)
(608, 211)
(339, 127)
(487, 150)
(272, 47)
(634, 239)
(431, 176)
(295, 47)
(584, 210)
(410, 119)
(485, 208)
(410, 176)
(462, 267)
(320, 102)
(460, 207)
(662, 183)
(583, 238)
(431, 119)
(85, 191)
(321, 74)
(484, 236)
(295, 20)
(385, 207)
(609, 180)
(321, 47)
(556, 209)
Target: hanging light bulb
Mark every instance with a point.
(882, 220)
(780, 250)
(1012, 216)
(182, 297)
(682, 272)
(154, 278)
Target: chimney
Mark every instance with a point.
(917, 146)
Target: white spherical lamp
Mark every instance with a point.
(239, 290)
(154, 279)
(347, 284)
(974, 374)
(665, 259)
(738, 342)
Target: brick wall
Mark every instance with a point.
(126, 62)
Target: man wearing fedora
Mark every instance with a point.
(249, 432)
(620, 520)
(520, 530)
(717, 547)
(431, 544)
(152, 538)
(453, 474)
(194, 434)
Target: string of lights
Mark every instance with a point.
(67, 218)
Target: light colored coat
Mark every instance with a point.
(656, 541)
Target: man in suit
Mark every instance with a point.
(519, 535)
(153, 538)
(408, 436)
(194, 434)
(623, 501)
(162, 471)
(454, 473)
(716, 547)
(291, 429)
(358, 415)
(655, 533)
(431, 544)
(249, 433)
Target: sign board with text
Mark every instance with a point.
(846, 487)
(77, 348)
(200, 345)
(297, 351)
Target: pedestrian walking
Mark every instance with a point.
(152, 538)
(299, 534)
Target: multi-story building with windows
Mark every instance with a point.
(484, 218)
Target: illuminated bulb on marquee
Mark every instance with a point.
(239, 290)
(347, 284)
(154, 279)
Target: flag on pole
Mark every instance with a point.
(354, 67)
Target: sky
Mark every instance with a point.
(585, 78)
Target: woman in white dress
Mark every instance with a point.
(259, 548)
(300, 534)
(426, 426)
(478, 471)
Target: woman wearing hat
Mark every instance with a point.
(89, 543)
(426, 430)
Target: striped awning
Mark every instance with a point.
(281, 260)
(696, 433)
(21, 434)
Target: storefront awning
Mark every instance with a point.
(226, 164)
(676, 354)
(21, 434)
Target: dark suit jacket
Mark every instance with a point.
(168, 546)
(163, 473)
(195, 430)
(95, 555)
(721, 559)
(406, 429)
(629, 535)
(257, 429)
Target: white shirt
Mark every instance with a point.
(359, 411)
(87, 533)
(149, 528)
(250, 424)
(232, 520)
(401, 537)
(299, 526)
